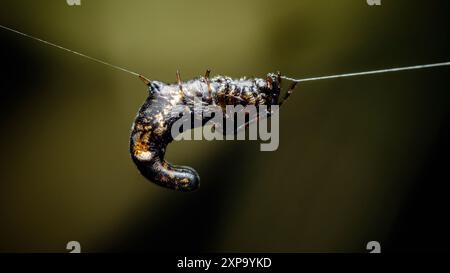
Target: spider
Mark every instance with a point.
(151, 130)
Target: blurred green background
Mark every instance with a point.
(349, 148)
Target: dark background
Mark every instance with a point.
(360, 159)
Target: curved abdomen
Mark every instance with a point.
(148, 142)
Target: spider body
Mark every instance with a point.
(151, 130)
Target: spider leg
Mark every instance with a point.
(144, 80)
(269, 82)
(209, 84)
(279, 77)
(180, 85)
(288, 94)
